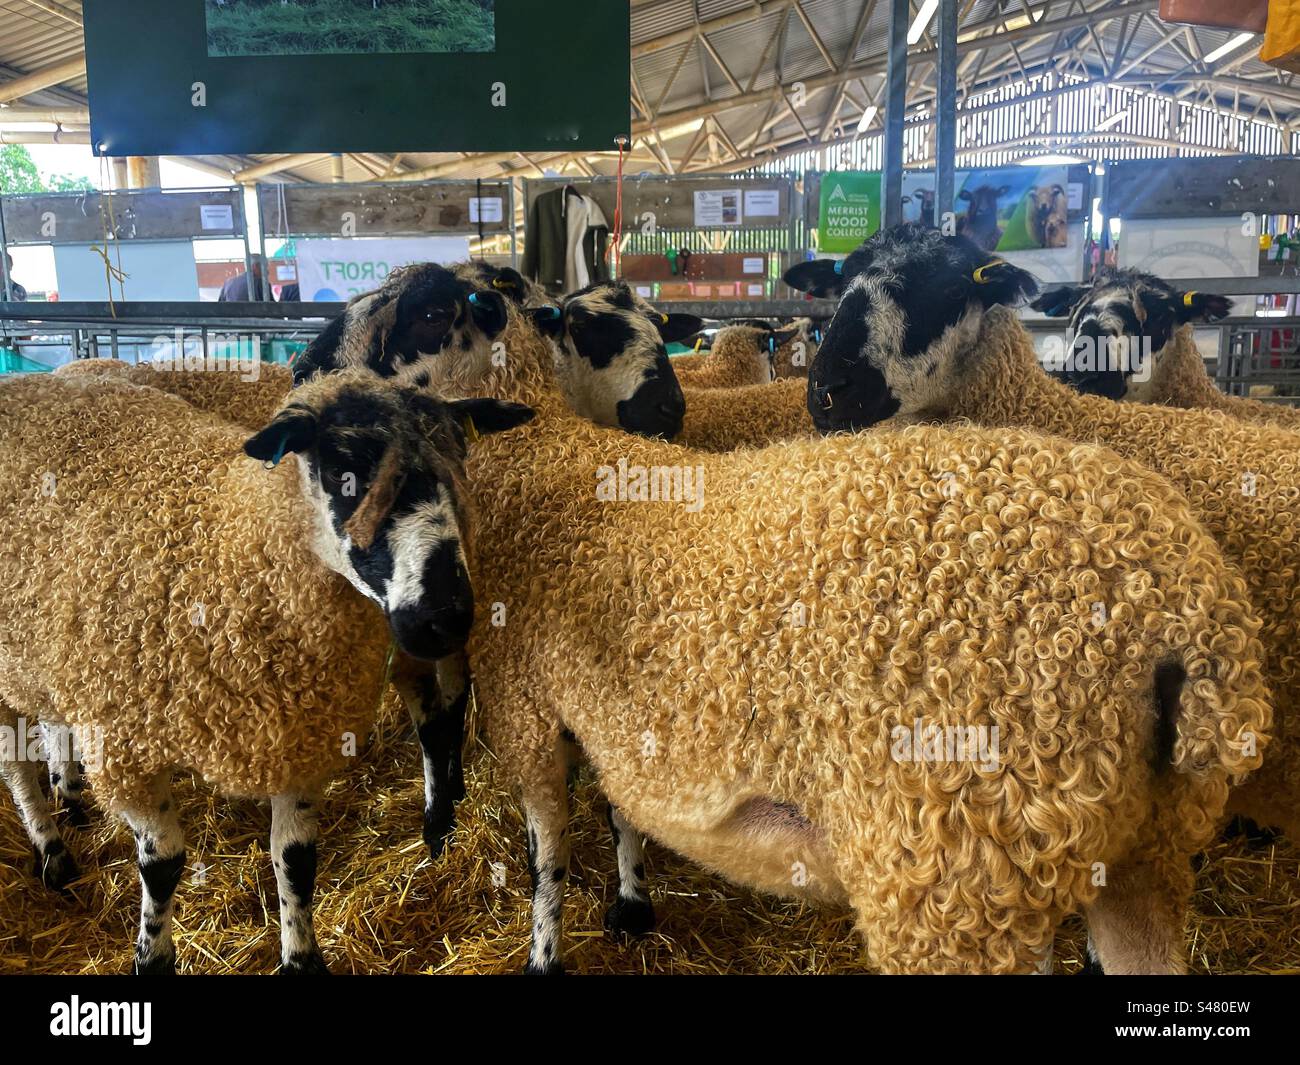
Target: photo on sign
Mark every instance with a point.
(1014, 208)
(333, 27)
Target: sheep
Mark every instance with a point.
(201, 613)
(1047, 216)
(796, 350)
(899, 349)
(739, 355)
(1138, 315)
(813, 605)
(979, 222)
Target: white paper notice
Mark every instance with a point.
(284, 274)
(217, 216)
(756, 290)
(763, 203)
(721, 208)
(645, 292)
(1074, 195)
(755, 266)
(487, 209)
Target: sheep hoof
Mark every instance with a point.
(554, 968)
(304, 965)
(75, 814)
(160, 965)
(55, 868)
(1256, 835)
(438, 825)
(630, 917)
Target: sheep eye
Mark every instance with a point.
(436, 315)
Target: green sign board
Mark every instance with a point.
(850, 209)
(245, 77)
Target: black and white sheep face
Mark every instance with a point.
(905, 326)
(381, 467)
(611, 363)
(423, 318)
(1119, 328)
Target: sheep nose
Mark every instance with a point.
(432, 632)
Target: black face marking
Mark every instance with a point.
(321, 355)
(844, 390)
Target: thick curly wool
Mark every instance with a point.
(1179, 380)
(739, 356)
(721, 419)
(180, 610)
(828, 592)
(795, 356)
(251, 404)
(1242, 481)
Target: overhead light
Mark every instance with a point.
(1051, 159)
(1114, 120)
(1224, 49)
(867, 117)
(922, 21)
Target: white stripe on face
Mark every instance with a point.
(412, 540)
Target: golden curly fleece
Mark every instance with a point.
(740, 673)
(1243, 484)
(739, 356)
(1179, 380)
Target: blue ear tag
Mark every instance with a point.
(552, 312)
(817, 335)
(279, 453)
(771, 345)
(839, 267)
(473, 298)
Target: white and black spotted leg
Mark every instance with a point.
(67, 777)
(160, 850)
(547, 818)
(631, 913)
(436, 701)
(293, 853)
(54, 865)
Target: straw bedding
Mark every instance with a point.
(383, 907)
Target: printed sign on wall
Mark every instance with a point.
(333, 270)
(850, 209)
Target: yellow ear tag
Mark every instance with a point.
(663, 318)
(699, 343)
(472, 435)
(978, 276)
(498, 284)
(1187, 298)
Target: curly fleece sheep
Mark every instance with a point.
(1143, 312)
(893, 347)
(823, 603)
(196, 612)
(740, 355)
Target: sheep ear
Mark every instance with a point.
(488, 309)
(548, 320)
(674, 328)
(292, 430)
(485, 416)
(510, 282)
(1058, 302)
(817, 277)
(1202, 307)
(997, 281)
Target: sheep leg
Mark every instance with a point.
(546, 811)
(293, 853)
(436, 704)
(160, 850)
(1134, 926)
(632, 913)
(67, 776)
(55, 867)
